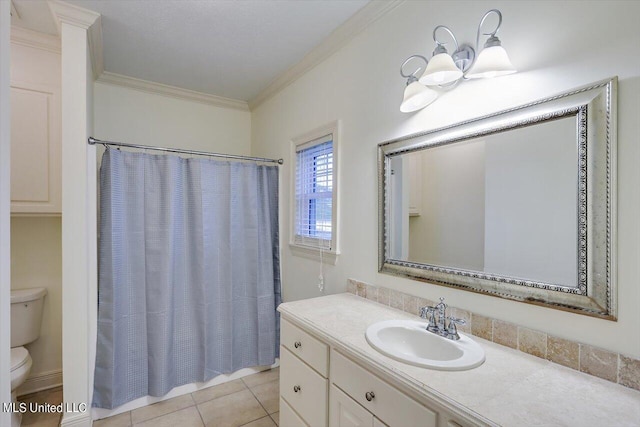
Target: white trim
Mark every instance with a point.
(81, 420)
(83, 18)
(342, 35)
(306, 251)
(309, 252)
(39, 382)
(34, 39)
(171, 91)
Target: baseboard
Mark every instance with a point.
(39, 382)
(80, 420)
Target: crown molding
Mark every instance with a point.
(171, 91)
(34, 39)
(370, 13)
(83, 18)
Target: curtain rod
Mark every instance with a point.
(93, 141)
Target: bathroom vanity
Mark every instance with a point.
(330, 375)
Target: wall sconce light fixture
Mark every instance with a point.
(444, 71)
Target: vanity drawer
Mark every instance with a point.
(387, 403)
(303, 389)
(288, 417)
(314, 352)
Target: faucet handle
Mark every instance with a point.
(452, 330)
(429, 313)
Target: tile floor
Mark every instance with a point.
(42, 419)
(252, 401)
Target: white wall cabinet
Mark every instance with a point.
(35, 149)
(36, 121)
(320, 386)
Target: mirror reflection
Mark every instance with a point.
(503, 204)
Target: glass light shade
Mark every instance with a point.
(416, 96)
(492, 62)
(440, 71)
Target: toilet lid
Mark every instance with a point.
(19, 356)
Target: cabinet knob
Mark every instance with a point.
(297, 344)
(296, 388)
(369, 395)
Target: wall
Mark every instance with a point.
(554, 46)
(128, 115)
(36, 243)
(36, 262)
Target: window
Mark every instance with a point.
(314, 196)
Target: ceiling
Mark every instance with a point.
(233, 49)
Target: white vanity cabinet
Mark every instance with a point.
(320, 386)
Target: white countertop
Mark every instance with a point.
(510, 388)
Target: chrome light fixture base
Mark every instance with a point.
(444, 72)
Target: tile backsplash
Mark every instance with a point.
(595, 361)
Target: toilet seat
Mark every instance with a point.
(19, 357)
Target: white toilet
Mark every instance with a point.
(26, 319)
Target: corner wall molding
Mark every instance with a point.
(34, 39)
(84, 18)
(366, 16)
(171, 91)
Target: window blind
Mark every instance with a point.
(314, 193)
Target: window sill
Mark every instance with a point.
(328, 257)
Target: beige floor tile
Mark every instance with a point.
(276, 417)
(262, 377)
(231, 410)
(161, 408)
(120, 420)
(188, 417)
(52, 396)
(262, 422)
(216, 391)
(268, 395)
(40, 419)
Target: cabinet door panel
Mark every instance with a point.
(346, 412)
(29, 145)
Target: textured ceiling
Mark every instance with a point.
(226, 48)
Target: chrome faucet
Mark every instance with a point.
(437, 317)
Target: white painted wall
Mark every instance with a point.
(36, 262)
(5, 198)
(555, 45)
(131, 116)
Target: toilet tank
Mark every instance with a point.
(26, 315)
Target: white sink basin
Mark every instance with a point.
(409, 341)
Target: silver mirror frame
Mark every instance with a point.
(594, 106)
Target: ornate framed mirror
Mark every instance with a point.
(518, 204)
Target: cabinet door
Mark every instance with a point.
(346, 412)
(35, 149)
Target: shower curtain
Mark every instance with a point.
(189, 276)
